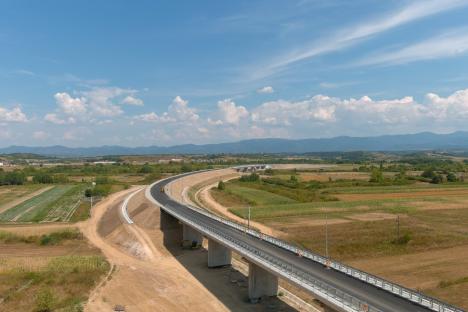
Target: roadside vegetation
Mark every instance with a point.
(68, 188)
(375, 213)
(44, 282)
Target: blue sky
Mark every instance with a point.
(88, 73)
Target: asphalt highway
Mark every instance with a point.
(372, 295)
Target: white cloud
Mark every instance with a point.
(448, 44)
(180, 110)
(131, 100)
(149, 117)
(40, 135)
(12, 115)
(352, 35)
(69, 105)
(177, 112)
(267, 89)
(100, 100)
(55, 119)
(230, 112)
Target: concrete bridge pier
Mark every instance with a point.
(192, 235)
(261, 283)
(171, 228)
(218, 255)
(167, 221)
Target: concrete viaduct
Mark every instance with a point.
(340, 287)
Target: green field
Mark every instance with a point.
(9, 193)
(56, 204)
(259, 197)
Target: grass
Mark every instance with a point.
(258, 197)
(56, 204)
(358, 240)
(338, 209)
(53, 238)
(11, 192)
(63, 283)
(82, 212)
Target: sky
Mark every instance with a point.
(138, 73)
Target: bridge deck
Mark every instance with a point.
(374, 296)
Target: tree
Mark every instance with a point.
(253, 177)
(146, 169)
(437, 179)
(428, 173)
(221, 186)
(42, 178)
(451, 177)
(376, 176)
(88, 192)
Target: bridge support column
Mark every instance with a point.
(167, 221)
(261, 282)
(192, 235)
(171, 228)
(218, 255)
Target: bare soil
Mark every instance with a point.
(152, 277)
(415, 194)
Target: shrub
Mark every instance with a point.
(437, 179)
(146, 169)
(253, 177)
(43, 178)
(45, 301)
(428, 173)
(451, 177)
(376, 176)
(402, 240)
(221, 186)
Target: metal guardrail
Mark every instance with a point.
(284, 269)
(395, 289)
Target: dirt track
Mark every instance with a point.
(150, 277)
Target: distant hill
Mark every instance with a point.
(405, 142)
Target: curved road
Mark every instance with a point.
(374, 296)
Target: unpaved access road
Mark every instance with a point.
(148, 276)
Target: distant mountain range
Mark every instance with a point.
(405, 142)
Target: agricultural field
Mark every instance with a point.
(57, 203)
(53, 271)
(10, 193)
(368, 224)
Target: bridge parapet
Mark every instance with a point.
(320, 289)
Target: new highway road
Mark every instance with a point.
(373, 296)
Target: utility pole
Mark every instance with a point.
(398, 227)
(326, 235)
(248, 219)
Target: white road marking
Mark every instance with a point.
(123, 208)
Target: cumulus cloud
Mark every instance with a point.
(55, 119)
(180, 110)
(230, 112)
(267, 89)
(177, 112)
(131, 100)
(12, 115)
(69, 105)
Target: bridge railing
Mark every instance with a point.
(398, 290)
(286, 270)
(406, 293)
